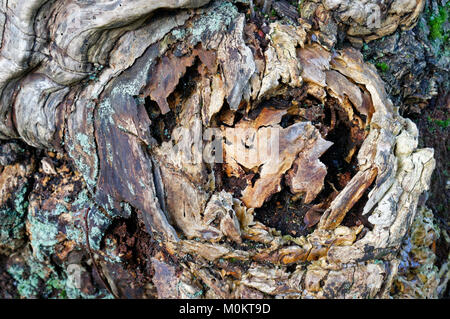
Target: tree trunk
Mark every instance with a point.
(186, 149)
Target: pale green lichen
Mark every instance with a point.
(37, 279)
(105, 111)
(131, 188)
(88, 171)
(179, 34)
(110, 251)
(12, 221)
(109, 153)
(96, 232)
(142, 184)
(215, 20)
(82, 199)
(110, 201)
(130, 88)
(75, 234)
(139, 100)
(26, 287)
(83, 139)
(88, 147)
(126, 207)
(98, 222)
(43, 232)
(41, 280)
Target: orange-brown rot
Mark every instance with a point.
(170, 69)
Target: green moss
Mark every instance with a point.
(443, 124)
(382, 66)
(436, 22)
(438, 29)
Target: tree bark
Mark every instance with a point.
(112, 187)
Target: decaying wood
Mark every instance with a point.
(294, 141)
(365, 20)
(88, 90)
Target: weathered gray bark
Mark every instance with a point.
(81, 81)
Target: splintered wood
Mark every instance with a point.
(274, 142)
(269, 152)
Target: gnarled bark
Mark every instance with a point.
(102, 92)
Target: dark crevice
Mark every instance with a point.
(285, 212)
(163, 124)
